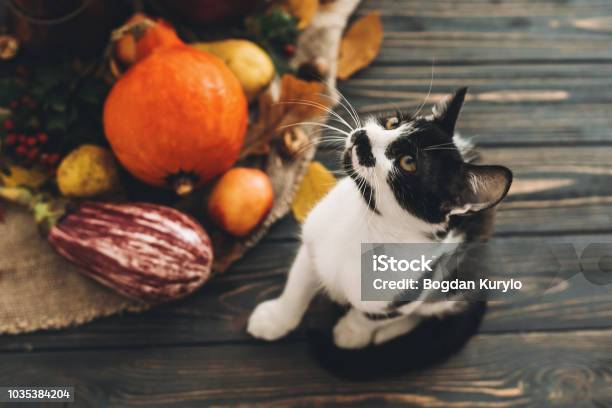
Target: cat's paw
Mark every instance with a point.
(395, 329)
(349, 334)
(270, 321)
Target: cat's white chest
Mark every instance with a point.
(333, 233)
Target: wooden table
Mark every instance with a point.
(540, 75)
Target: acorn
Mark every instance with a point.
(294, 141)
(314, 69)
(8, 47)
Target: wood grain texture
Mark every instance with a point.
(472, 31)
(555, 190)
(539, 74)
(507, 104)
(492, 371)
(218, 313)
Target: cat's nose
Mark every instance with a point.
(363, 148)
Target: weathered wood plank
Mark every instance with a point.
(492, 371)
(451, 31)
(507, 104)
(219, 311)
(554, 189)
(485, 8)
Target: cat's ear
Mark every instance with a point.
(485, 186)
(446, 112)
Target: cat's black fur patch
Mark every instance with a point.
(366, 190)
(439, 179)
(432, 342)
(363, 149)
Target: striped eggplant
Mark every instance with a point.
(147, 252)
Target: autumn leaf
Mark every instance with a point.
(21, 177)
(299, 101)
(360, 45)
(316, 184)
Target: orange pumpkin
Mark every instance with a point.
(176, 119)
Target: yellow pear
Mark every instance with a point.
(248, 61)
(21, 177)
(88, 171)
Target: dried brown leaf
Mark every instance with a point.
(295, 104)
(360, 45)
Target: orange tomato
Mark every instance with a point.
(240, 200)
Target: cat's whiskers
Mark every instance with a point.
(376, 193)
(441, 148)
(363, 183)
(329, 138)
(320, 106)
(441, 144)
(350, 106)
(325, 125)
(433, 61)
(320, 141)
(349, 109)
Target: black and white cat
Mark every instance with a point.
(410, 180)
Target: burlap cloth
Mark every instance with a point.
(40, 290)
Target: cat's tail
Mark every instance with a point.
(432, 342)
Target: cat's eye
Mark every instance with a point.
(392, 123)
(407, 163)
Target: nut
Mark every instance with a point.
(8, 47)
(294, 142)
(314, 70)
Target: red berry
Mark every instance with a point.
(32, 141)
(22, 139)
(8, 124)
(42, 138)
(14, 104)
(33, 153)
(54, 158)
(289, 49)
(11, 139)
(21, 150)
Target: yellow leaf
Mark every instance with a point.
(316, 184)
(360, 45)
(22, 177)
